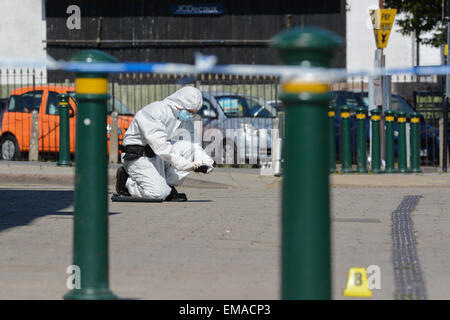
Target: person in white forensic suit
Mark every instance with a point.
(153, 164)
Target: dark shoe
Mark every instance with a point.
(202, 169)
(175, 196)
(121, 180)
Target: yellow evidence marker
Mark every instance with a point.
(357, 284)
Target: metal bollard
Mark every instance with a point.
(376, 156)
(389, 117)
(64, 131)
(361, 154)
(306, 253)
(332, 138)
(346, 151)
(415, 142)
(401, 119)
(90, 237)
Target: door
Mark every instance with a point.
(50, 123)
(17, 119)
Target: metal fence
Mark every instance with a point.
(25, 90)
(410, 93)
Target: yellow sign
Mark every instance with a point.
(357, 284)
(382, 21)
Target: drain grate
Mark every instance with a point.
(409, 284)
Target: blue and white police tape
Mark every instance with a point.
(206, 64)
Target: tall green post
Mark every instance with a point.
(415, 142)
(389, 117)
(402, 164)
(90, 236)
(305, 253)
(332, 138)
(376, 149)
(346, 150)
(64, 131)
(361, 154)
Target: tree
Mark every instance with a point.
(420, 17)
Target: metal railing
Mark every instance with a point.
(25, 90)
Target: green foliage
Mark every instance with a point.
(420, 17)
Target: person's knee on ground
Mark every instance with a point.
(136, 190)
(147, 179)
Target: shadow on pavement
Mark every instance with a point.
(20, 207)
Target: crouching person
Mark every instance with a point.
(153, 164)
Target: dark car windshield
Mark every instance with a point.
(398, 103)
(347, 98)
(238, 106)
(117, 106)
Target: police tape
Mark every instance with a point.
(200, 67)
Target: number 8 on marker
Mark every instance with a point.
(358, 279)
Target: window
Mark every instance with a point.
(333, 102)
(117, 106)
(26, 102)
(52, 103)
(206, 106)
(351, 100)
(398, 104)
(234, 106)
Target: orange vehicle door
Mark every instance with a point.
(50, 123)
(17, 119)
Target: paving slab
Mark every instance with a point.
(222, 244)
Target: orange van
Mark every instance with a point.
(15, 126)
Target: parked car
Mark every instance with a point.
(429, 135)
(16, 122)
(246, 115)
(3, 104)
(277, 104)
(429, 139)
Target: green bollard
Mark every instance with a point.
(305, 222)
(332, 138)
(389, 117)
(90, 237)
(64, 131)
(361, 154)
(376, 156)
(402, 164)
(346, 150)
(415, 142)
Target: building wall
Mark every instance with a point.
(22, 30)
(361, 47)
(139, 24)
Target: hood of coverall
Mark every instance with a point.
(188, 98)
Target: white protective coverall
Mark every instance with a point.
(156, 124)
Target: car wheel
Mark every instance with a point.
(9, 148)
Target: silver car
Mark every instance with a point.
(245, 122)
